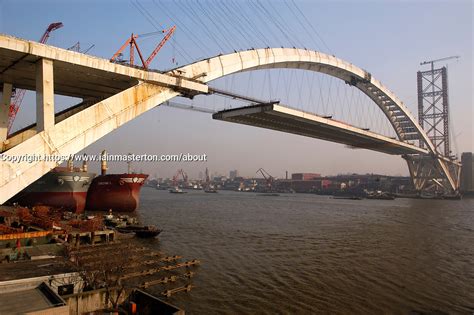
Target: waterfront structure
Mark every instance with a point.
(467, 172)
(305, 176)
(114, 94)
(233, 174)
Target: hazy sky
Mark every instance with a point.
(387, 38)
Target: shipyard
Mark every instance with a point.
(236, 157)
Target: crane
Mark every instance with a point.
(183, 175)
(268, 178)
(20, 93)
(432, 62)
(134, 45)
(208, 187)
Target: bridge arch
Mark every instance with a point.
(403, 122)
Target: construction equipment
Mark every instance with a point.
(208, 187)
(268, 178)
(134, 45)
(77, 47)
(433, 104)
(20, 93)
(176, 178)
(432, 62)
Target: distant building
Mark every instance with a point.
(305, 176)
(467, 172)
(233, 174)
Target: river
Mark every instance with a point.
(309, 254)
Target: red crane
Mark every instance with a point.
(134, 45)
(183, 175)
(20, 93)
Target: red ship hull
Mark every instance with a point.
(119, 192)
(59, 188)
(72, 201)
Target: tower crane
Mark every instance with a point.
(20, 93)
(134, 45)
(432, 62)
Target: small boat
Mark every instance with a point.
(177, 190)
(147, 231)
(210, 191)
(347, 197)
(380, 196)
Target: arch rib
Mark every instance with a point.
(402, 121)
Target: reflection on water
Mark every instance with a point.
(312, 254)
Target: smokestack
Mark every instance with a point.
(103, 163)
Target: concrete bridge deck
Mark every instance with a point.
(277, 117)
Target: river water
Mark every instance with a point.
(308, 254)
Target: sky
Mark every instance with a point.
(387, 38)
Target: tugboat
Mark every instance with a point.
(62, 188)
(176, 189)
(117, 192)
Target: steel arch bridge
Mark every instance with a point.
(115, 94)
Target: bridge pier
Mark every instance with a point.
(432, 174)
(5, 97)
(44, 95)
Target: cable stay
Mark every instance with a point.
(189, 107)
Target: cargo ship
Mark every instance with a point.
(117, 192)
(63, 188)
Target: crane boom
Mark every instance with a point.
(51, 27)
(134, 45)
(20, 93)
(437, 60)
(168, 32)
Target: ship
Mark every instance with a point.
(62, 188)
(116, 192)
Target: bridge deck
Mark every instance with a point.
(289, 120)
(76, 74)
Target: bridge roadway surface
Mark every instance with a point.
(281, 118)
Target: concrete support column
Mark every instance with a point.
(44, 95)
(5, 98)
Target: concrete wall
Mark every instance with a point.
(88, 301)
(61, 310)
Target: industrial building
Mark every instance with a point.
(467, 173)
(305, 176)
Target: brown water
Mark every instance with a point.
(302, 254)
